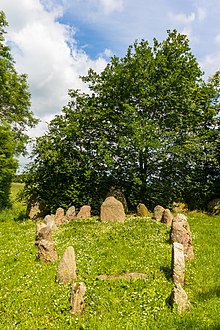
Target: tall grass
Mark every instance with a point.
(31, 299)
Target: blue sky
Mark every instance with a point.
(55, 41)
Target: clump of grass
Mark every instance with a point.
(31, 299)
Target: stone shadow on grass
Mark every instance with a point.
(209, 293)
(167, 272)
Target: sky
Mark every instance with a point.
(56, 41)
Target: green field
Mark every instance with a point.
(31, 299)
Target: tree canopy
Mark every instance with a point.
(149, 126)
(15, 115)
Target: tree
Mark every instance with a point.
(143, 128)
(15, 115)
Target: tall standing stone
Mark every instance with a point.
(84, 212)
(112, 210)
(180, 232)
(66, 271)
(158, 213)
(178, 264)
(142, 210)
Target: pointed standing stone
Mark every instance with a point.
(66, 271)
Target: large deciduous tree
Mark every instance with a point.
(149, 126)
(15, 115)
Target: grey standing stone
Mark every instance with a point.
(180, 232)
(142, 210)
(178, 264)
(158, 213)
(179, 297)
(112, 210)
(71, 213)
(46, 251)
(77, 297)
(66, 271)
(84, 212)
(167, 217)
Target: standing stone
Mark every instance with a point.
(71, 213)
(119, 195)
(66, 271)
(34, 210)
(167, 217)
(46, 251)
(77, 297)
(84, 212)
(43, 232)
(180, 298)
(59, 216)
(142, 210)
(178, 264)
(180, 232)
(49, 220)
(112, 210)
(158, 213)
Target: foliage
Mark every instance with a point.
(15, 115)
(149, 126)
(31, 299)
(8, 164)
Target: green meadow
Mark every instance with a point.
(30, 298)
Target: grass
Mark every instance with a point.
(31, 299)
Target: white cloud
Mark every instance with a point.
(217, 38)
(210, 63)
(111, 5)
(181, 18)
(201, 13)
(46, 50)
